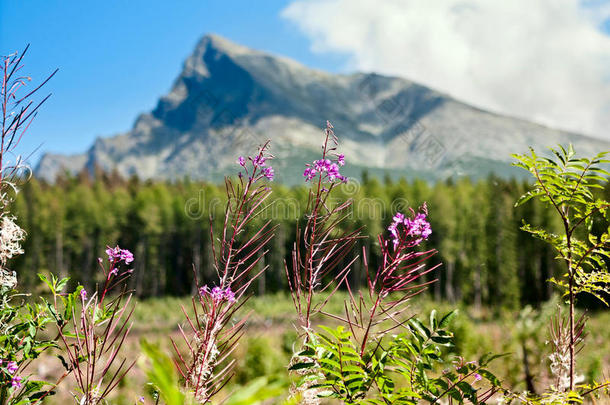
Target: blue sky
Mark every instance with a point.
(115, 58)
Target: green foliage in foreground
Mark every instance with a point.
(404, 369)
(566, 185)
(165, 386)
(21, 325)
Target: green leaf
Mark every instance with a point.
(433, 321)
(446, 320)
(419, 326)
(490, 377)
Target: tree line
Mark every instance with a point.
(487, 260)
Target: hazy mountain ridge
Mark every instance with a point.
(229, 98)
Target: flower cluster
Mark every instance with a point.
(218, 294)
(11, 236)
(326, 168)
(269, 173)
(11, 369)
(418, 228)
(259, 162)
(117, 255)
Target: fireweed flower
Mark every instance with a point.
(117, 254)
(333, 171)
(326, 168)
(309, 173)
(399, 217)
(341, 159)
(259, 160)
(11, 367)
(229, 295)
(393, 230)
(321, 165)
(16, 382)
(417, 229)
(259, 168)
(418, 226)
(218, 294)
(269, 173)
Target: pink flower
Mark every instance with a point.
(341, 159)
(16, 382)
(477, 377)
(241, 161)
(398, 217)
(218, 294)
(333, 171)
(83, 294)
(259, 160)
(229, 295)
(12, 367)
(269, 173)
(417, 228)
(326, 168)
(117, 254)
(309, 173)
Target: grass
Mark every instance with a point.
(267, 344)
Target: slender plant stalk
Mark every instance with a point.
(210, 337)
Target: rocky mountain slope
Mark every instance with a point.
(230, 98)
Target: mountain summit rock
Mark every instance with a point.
(229, 99)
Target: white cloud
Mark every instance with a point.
(545, 60)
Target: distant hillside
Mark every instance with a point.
(230, 98)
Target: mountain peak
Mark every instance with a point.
(221, 44)
(211, 47)
(230, 98)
